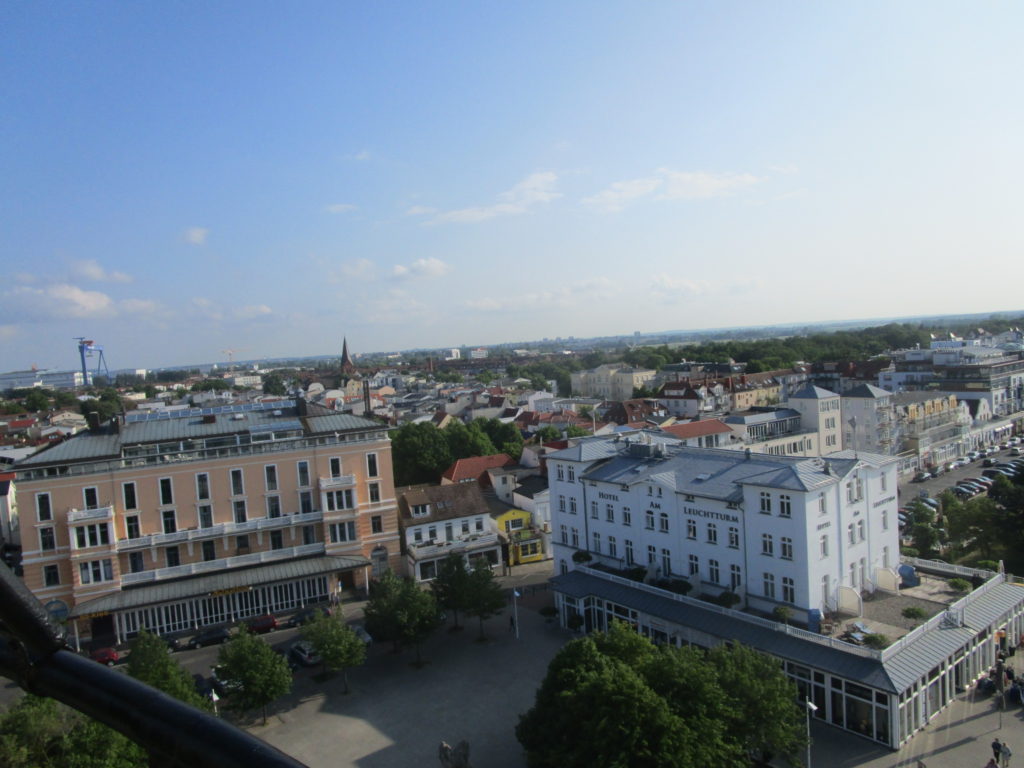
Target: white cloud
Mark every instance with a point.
(667, 184)
(361, 156)
(253, 311)
(24, 277)
(341, 208)
(678, 285)
(89, 269)
(420, 210)
(421, 268)
(596, 289)
(360, 269)
(700, 185)
(138, 306)
(615, 197)
(72, 301)
(534, 189)
(8, 331)
(196, 235)
(206, 308)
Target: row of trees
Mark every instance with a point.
(399, 611)
(615, 699)
(421, 452)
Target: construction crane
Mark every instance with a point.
(89, 348)
(231, 356)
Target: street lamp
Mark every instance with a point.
(811, 707)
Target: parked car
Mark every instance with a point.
(933, 503)
(261, 624)
(362, 634)
(173, 643)
(210, 636)
(989, 462)
(303, 652)
(221, 686)
(108, 656)
(986, 481)
(920, 477)
(307, 614)
(973, 455)
(1015, 451)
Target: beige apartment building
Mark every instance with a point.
(609, 381)
(174, 521)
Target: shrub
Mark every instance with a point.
(913, 612)
(581, 556)
(960, 585)
(679, 586)
(727, 599)
(876, 640)
(909, 552)
(782, 614)
(639, 573)
(987, 565)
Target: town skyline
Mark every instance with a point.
(184, 181)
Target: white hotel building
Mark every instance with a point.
(807, 533)
(812, 534)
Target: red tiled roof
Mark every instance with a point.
(476, 468)
(697, 428)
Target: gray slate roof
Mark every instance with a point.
(868, 671)
(811, 392)
(182, 589)
(894, 674)
(867, 391)
(761, 417)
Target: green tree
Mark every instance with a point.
(383, 610)
(467, 441)
(417, 616)
(760, 712)
(273, 384)
(37, 732)
(256, 673)
(574, 431)
(617, 700)
(547, 434)
(485, 377)
(419, 453)
(451, 586)
(504, 436)
(337, 645)
(483, 597)
(37, 400)
(399, 611)
(150, 663)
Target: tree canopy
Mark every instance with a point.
(334, 641)
(37, 732)
(255, 673)
(614, 699)
(419, 453)
(483, 594)
(399, 611)
(150, 663)
(451, 585)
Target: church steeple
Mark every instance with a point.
(347, 366)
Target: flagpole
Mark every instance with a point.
(515, 610)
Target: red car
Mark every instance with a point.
(261, 624)
(107, 656)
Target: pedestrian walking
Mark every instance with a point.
(511, 623)
(1007, 754)
(997, 750)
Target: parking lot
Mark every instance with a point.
(935, 486)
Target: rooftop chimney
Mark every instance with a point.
(92, 418)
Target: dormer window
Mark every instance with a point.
(420, 510)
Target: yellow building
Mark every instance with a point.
(205, 516)
(524, 541)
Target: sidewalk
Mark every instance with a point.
(958, 737)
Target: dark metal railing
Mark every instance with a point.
(34, 654)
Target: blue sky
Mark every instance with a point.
(181, 178)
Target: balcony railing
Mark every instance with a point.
(99, 513)
(222, 529)
(221, 564)
(342, 481)
(429, 549)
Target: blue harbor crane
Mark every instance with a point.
(89, 348)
